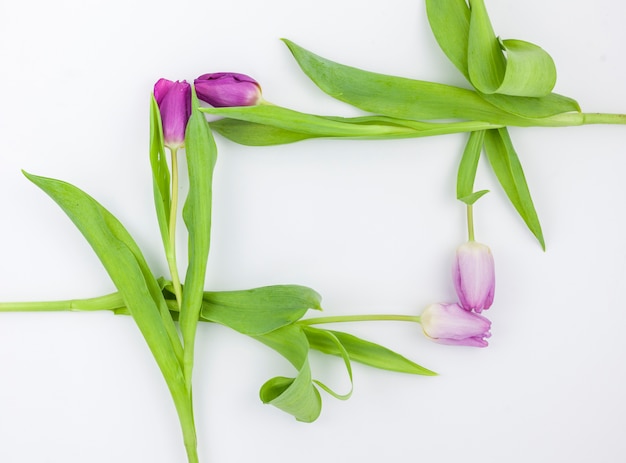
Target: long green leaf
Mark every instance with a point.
(275, 125)
(363, 351)
(201, 157)
(140, 291)
(160, 172)
(468, 165)
(449, 21)
(397, 96)
(508, 170)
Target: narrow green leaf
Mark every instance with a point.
(201, 155)
(295, 126)
(363, 351)
(468, 165)
(449, 21)
(160, 172)
(296, 396)
(397, 96)
(332, 338)
(508, 170)
(261, 310)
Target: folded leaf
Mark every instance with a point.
(363, 351)
(296, 396)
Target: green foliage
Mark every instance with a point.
(201, 157)
(362, 351)
(258, 311)
(508, 169)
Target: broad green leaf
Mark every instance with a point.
(201, 155)
(468, 165)
(140, 291)
(509, 67)
(125, 264)
(295, 126)
(296, 396)
(363, 351)
(261, 310)
(160, 172)
(397, 96)
(449, 21)
(508, 170)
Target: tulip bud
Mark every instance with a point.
(174, 100)
(452, 324)
(226, 89)
(474, 276)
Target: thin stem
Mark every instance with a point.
(575, 119)
(171, 252)
(470, 222)
(109, 302)
(360, 318)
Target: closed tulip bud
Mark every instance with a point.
(226, 89)
(474, 276)
(174, 100)
(452, 324)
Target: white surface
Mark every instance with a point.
(371, 225)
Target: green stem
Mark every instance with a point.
(470, 222)
(360, 318)
(171, 251)
(575, 119)
(109, 302)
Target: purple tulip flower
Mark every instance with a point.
(474, 276)
(452, 324)
(174, 100)
(226, 89)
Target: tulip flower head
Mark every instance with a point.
(474, 276)
(174, 100)
(452, 324)
(226, 89)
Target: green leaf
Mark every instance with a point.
(261, 310)
(449, 21)
(508, 170)
(201, 155)
(125, 264)
(363, 351)
(397, 96)
(510, 67)
(468, 165)
(160, 172)
(533, 107)
(472, 198)
(254, 134)
(294, 126)
(296, 396)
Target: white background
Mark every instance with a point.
(372, 226)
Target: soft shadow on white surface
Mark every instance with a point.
(372, 226)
